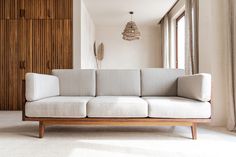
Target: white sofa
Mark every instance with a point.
(118, 97)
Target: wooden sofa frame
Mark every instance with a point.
(43, 122)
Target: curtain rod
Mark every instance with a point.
(168, 11)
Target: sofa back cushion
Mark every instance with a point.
(118, 82)
(160, 82)
(76, 82)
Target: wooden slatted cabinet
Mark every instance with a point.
(35, 36)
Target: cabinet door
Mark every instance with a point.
(13, 66)
(24, 55)
(37, 9)
(9, 65)
(62, 44)
(41, 46)
(8, 9)
(3, 69)
(62, 9)
(25, 46)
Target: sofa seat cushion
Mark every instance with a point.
(117, 106)
(177, 107)
(60, 106)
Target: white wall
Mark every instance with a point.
(88, 60)
(212, 48)
(83, 37)
(119, 53)
(76, 34)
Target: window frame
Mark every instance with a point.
(176, 37)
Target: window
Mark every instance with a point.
(180, 41)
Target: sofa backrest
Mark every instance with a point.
(118, 83)
(76, 82)
(160, 82)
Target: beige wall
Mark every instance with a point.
(212, 48)
(143, 53)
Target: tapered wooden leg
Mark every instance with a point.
(194, 131)
(41, 129)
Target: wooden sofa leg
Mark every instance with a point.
(41, 129)
(194, 131)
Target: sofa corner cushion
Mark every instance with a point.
(73, 82)
(160, 82)
(39, 86)
(196, 86)
(117, 106)
(58, 107)
(177, 107)
(118, 82)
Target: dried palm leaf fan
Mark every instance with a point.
(131, 31)
(100, 53)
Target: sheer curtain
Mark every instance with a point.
(165, 41)
(191, 37)
(231, 64)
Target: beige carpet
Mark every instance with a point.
(19, 139)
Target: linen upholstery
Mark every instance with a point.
(117, 106)
(76, 82)
(60, 106)
(196, 86)
(177, 107)
(160, 82)
(118, 82)
(40, 86)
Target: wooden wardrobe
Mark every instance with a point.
(35, 36)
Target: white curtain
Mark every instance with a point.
(191, 37)
(231, 64)
(165, 26)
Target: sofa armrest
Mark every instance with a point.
(39, 86)
(196, 86)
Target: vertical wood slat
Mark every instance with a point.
(24, 55)
(12, 63)
(67, 44)
(48, 9)
(41, 48)
(35, 9)
(20, 6)
(21, 58)
(62, 44)
(8, 9)
(63, 9)
(9, 65)
(3, 93)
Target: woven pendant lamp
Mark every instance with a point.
(131, 31)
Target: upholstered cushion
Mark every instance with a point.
(76, 82)
(177, 107)
(160, 82)
(60, 106)
(196, 86)
(117, 106)
(118, 82)
(40, 86)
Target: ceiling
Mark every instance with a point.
(116, 12)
